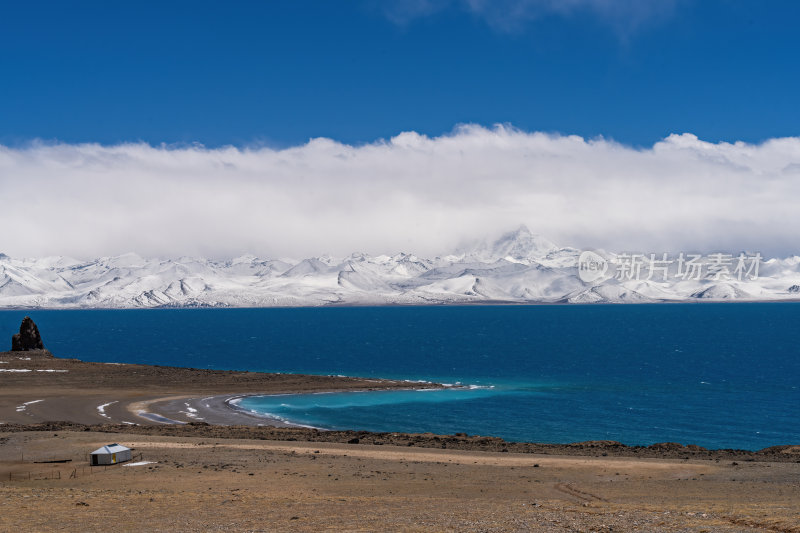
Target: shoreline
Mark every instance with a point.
(45, 389)
(217, 410)
(220, 410)
(37, 387)
(224, 410)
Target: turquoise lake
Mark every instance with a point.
(716, 375)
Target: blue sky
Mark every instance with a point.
(273, 73)
(300, 128)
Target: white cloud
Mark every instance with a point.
(624, 16)
(410, 193)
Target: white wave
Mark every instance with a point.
(272, 416)
(234, 403)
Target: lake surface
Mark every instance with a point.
(717, 375)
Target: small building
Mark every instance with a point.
(110, 454)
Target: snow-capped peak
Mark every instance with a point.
(517, 246)
(522, 244)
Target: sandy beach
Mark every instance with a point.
(200, 465)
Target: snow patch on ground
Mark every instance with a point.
(101, 409)
(21, 408)
(155, 417)
(29, 370)
(190, 411)
(141, 463)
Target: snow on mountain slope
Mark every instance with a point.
(518, 267)
(307, 267)
(721, 291)
(612, 293)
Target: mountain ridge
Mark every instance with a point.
(518, 267)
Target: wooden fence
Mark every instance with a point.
(56, 472)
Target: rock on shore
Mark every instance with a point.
(28, 337)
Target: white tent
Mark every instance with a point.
(111, 454)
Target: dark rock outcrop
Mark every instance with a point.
(28, 337)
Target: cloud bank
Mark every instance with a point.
(409, 193)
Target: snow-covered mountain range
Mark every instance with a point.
(520, 267)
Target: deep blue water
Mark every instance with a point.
(717, 375)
